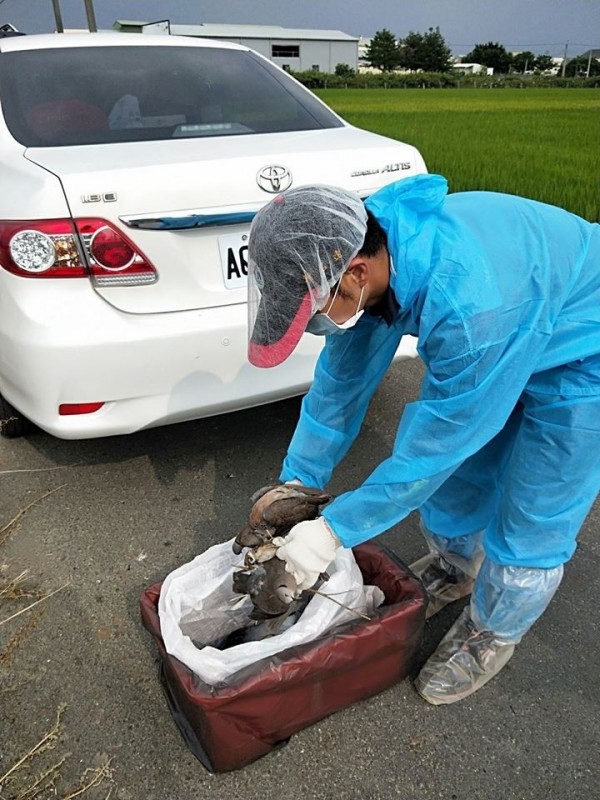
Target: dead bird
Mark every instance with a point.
(276, 509)
(271, 589)
(260, 629)
(259, 554)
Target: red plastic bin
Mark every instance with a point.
(230, 725)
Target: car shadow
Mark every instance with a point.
(238, 452)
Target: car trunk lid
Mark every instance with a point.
(187, 204)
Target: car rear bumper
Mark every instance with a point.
(148, 369)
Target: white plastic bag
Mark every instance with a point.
(197, 606)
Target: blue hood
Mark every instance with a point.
(407, 209)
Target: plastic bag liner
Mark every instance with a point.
(198, 609)
(229, 725)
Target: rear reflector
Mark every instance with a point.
(78, 408)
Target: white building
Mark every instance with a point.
(364, 43)
(473, 69)
(294, 49)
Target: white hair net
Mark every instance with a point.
(300, 245)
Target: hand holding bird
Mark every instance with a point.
(275, 511)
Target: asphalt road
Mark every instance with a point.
(128, 510)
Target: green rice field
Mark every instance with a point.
(538, 143)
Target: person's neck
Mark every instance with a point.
(379, 277)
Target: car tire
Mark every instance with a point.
(12, 422)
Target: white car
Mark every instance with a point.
(131, 167)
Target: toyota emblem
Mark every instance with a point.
(274, 178)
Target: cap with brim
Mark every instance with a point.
(300, 244)
(270, 354)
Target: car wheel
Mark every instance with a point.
(12, 422)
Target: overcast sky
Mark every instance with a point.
(543, 26)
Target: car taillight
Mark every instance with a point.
(64, 248)
(114, 259)
(41, 248)
(110, 251)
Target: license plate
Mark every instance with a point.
(234, 259)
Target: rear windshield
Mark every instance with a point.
(96, 95)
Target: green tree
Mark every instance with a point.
(382, 53)
(437, 56)
(344, 70)
(410, 49)
(544, 63)
(577, 67)
(524, 61)
(491, 54)
(426, 51)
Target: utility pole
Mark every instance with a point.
(587, 73)
(564, 64)
(91, 17)
(58, 17)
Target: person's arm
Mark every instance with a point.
(468, 394)
(347, 374)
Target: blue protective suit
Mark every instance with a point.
(504, 296)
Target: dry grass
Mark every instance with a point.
(32, 605)
(46, 782)
(47, 742)
(10, 590)
(18, 637)
(92, 777)
(44, 785)
(6, 530)
(25, 779)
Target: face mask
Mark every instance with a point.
(323, 325)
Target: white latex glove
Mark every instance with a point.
(308, 549)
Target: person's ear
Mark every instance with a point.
(358, 271)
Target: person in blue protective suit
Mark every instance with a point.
(501, 451)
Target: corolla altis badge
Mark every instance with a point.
(398, 166)
(274, 178)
